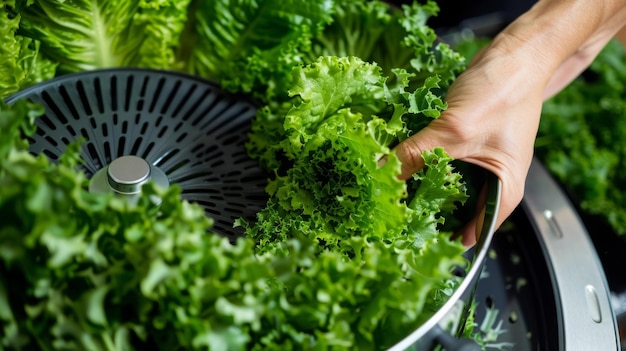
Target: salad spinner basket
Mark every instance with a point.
(139, 125)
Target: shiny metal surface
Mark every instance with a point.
(127, 174)
(586, 320)
(430, 333)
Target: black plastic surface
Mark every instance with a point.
(516, 283)
(186, 126)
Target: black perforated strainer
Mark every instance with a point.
(171, 128)
(184, 127)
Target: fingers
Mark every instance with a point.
(410, 150)
(510, 167)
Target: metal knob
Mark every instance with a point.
(127, 174)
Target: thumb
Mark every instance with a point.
(409, 151)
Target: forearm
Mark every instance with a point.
(557, 39)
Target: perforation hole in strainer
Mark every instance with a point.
(187, 127)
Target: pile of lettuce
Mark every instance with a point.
(344, 256)
(581, 137)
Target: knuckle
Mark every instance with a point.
(409, 152)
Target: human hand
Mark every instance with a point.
(494, 107)
(491, 121)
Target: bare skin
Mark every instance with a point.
(494, 107)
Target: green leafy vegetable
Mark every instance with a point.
(85, 35)
(250, 46)
(330, 188)
(21, 64)
(344, 256)
(581, 137)
(84, 271)
(331, 147)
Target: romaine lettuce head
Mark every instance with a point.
(85, 35)
(250, 46)
(21, 63)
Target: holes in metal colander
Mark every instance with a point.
(216, 163)
(489, 302)
(69, 103)
(202, 99)
(82, 95)
(54, 108)
(195, 133)
(178, 127)
(128, 92)
(171, 96)
(157, 94)
(184, 99)
(162, 132)
(51, 140)
(180, 165)
(255, 198)
(240, 159)
(166, 157)
(113, 93)
(205, 176)
(230, 140)
(94, 157)
(98, 95)
(148, 149)
(206, 111)
(201, 150)
(181, 137)
(136, 145)
(144, 127)
(104, 129)
(121, 143)
(51, 155)
(235, 208)
(71, 130)
(108, 157)
(144, 87)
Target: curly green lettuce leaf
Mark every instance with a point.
(368, 303)
(331, 190)
(250, 46)
(436, 194)
(84, 271)
(21, 63)
(329, 182)
(391, 37)
(581, 137)
(369, 30)
(336, 189)
(85, 35)
(323, 88)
